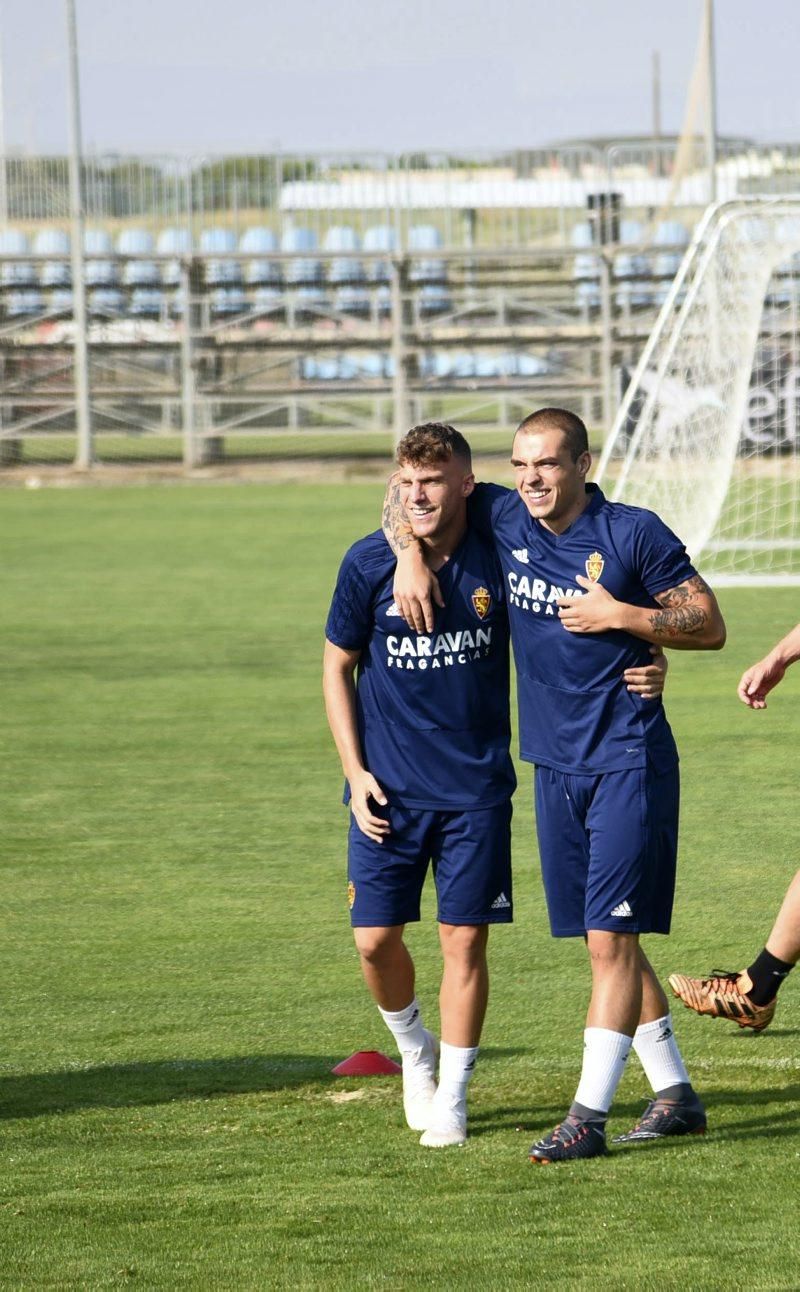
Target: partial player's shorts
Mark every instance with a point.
(608, 846)
(471, 856)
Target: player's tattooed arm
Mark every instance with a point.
(689, 615)
(416, 588)
(396, 525)
(688, 619)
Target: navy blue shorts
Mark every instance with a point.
(471, 856)
(608, 846)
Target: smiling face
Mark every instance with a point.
(550, 482)
(435, 499)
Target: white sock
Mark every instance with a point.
(456, 1066)
(604, 1055)
(405, 1026)
(658, 1053)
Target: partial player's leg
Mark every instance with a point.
(676, 1108)
(562, 807)
(749, 997)
(473, 881)
(384, 885)
(610, 841)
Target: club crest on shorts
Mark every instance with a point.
(481, 602)
(351, 894)
(595, 565)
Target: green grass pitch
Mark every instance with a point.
(178, 975)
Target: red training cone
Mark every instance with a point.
(367, 1063)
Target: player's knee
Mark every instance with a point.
(464, 943)
(608, 949)
(375, 945)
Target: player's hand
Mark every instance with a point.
(416, 590)
(364, 789)
(648, 680)
(595, 612)
(758, 680)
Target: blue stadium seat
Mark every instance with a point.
(219, 273)
(426, 237)
(672, 234)
(23, 304)
(173, 242)
(352, 300)
(372, 364)
(305, 271)
(328, 369)
(382, 301)
(60, 302)
(585, 268)
(100, 269)
(348, 269)
(532, 365)
(260, 273)
(628, 265)
(106, 302)
(139, 272)
(379, 237)
(308, 302)
(226, 302)
(147, 303)
(17, 273)
(434, 300)
(54, 242)
(268, 300)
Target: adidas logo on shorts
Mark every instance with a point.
(622, 912)
(500, 903)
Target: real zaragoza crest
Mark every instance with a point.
(594, 566)
(351, 894)
(482, 601)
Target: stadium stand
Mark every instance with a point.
(16, 273)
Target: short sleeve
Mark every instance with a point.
(484, 506)
(662, 561)
(350, 616)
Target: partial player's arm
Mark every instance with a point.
(339, 688)
(759, 679)
(416, 587)
(648, 680)
(688, 617)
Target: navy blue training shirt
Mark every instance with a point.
(575, 711)
(433, 709)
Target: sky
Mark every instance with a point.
(163, 76)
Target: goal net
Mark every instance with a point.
(708, 431)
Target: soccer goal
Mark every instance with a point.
(708, 430)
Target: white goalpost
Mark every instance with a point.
(708, 431)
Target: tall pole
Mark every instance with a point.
(3, 163)
(83, 417)
(657, 111)
(711, 103)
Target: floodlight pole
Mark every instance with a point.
(3, 162)
(83, 417)
(711, 103)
